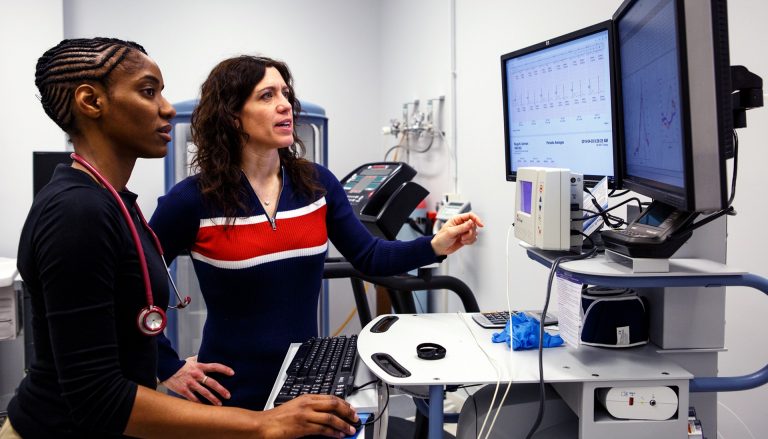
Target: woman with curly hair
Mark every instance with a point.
(257, 220)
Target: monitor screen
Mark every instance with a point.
(558, 104)
(650, 84)
(43, 165)
(674, 82)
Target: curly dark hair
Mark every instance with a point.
(217, 133)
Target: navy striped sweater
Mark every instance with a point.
(261, 283)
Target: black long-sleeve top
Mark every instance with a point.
(78, 259)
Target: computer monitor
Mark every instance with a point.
(559, 108)
(43, 165)
(674, 86)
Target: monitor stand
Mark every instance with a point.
(639, 265)
(657, 233)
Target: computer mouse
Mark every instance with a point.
(359, 424)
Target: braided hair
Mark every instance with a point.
(72, 62)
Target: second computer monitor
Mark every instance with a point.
(558, 104)
(675, 85)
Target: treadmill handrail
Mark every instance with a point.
(335, 269)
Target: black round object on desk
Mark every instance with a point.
(430, 351)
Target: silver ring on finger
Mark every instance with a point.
(205, 378)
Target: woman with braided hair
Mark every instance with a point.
(97, 278)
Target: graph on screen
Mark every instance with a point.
(559, 106)
(653, 130)
(657, 132)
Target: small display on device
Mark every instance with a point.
(526, 196)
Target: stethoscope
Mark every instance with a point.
(151, 319)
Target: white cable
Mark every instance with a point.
(737, 418)
(498, 409)
(454, 103)
(495, 369)
(451, 156)
(509, 303)
(509, 308)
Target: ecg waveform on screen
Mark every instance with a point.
(559, 107)
(574, 92)
(567, 87)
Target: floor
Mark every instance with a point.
(402, 406)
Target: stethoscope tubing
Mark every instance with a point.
(135, 236)
(182, 302)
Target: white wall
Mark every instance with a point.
(361, 60)
(330, 46)
(26, 31)
(415, 64)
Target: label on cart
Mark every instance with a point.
(622, 335)
(569, 309)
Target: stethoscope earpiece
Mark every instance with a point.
(182, 303)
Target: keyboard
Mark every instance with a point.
(322, 365)
(498, 319)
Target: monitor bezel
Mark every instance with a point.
(687, 198)
(607, 26)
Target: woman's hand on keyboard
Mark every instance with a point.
(192, 377)
(310, 415)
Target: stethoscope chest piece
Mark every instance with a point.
(151, 320)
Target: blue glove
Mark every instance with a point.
(525, 334)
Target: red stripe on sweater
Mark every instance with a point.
(240, 242)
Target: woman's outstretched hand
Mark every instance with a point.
(459, 231)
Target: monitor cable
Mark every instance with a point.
(604, 213)
(613, 194)
(620, 221)
(510, 312)
(552, 272)
(682, 232)
(735, 167)
(498, 382)
(729, 210)
(493, 364)
(386, 402)
(490, 359)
